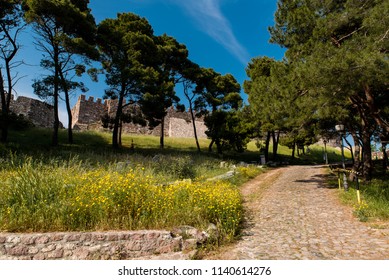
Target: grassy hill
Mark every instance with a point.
(38, 140)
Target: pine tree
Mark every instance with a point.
(64, 28)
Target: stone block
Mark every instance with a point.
(80, 254)
(33, 250)
(57, 237)
(72, 237)
(49, 248)
(86, 237)
(18, 250)
(69, 246)
(57, 254)
(28, 240)
(43, 239)
(112, 237)
(2, 250)
(13, 239)
(99, 237)
(135, 246)
(39, 257)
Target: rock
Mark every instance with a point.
(188, 232)
(122, 165)
(212, 231)
(156, 158)
(189, 245)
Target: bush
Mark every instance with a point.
(16, 122)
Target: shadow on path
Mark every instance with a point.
(319, 179)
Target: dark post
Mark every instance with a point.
(340, 128)
(325, 151)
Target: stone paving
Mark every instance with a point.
(299, 218)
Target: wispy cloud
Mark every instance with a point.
(208, 16)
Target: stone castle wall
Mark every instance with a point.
(39, 113)
(87, 115)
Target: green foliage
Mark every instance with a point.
(65, 28)
(170, 65)
(128, 54)
(17, 122)
(278, 103)
(10, 14)
(337, 54)
(230, 129)
(218, 100)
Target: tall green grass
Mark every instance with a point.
(139, 192)
(375, 200)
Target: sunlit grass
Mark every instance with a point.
(73, 196)
(88, 186)
(374, 204)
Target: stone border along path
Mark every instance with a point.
(292, 215)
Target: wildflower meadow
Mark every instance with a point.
(38, 195)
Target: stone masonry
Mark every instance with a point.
(88, 245)
(87, 115)
(38, 112)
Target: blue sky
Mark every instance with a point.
(219, 34)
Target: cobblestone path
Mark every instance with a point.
(297, 217)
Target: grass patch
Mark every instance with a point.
(374, 206)
(88, 186)
(375, 200)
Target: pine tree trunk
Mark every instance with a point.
(56, 98)
(357, 155)
(68, 109)
(120, 132)
(293, 150)
(374, 112)
(276, 138)
(115, 133)
(219, 147)
(267, 145)
(4, 111)
(367, 162)
(56, 117)
(194, 127)
(211, 145)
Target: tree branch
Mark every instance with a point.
(384, 37)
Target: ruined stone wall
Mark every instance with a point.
(182, 128)
(39, 113)
(87, 115)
